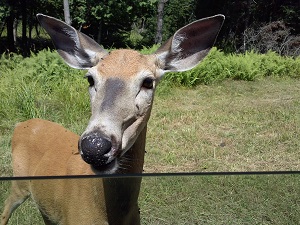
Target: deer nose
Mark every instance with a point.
(93, 149)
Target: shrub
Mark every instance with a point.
(249, 66)
(41, 86)
(275, 36)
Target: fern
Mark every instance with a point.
(250, 66)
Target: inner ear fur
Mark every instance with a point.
(190, 44)
(77, 49)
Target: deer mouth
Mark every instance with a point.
(107, 168)
(103, 165)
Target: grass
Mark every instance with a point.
(272, 199)
(216, 200)
(232, 126)
(227, 126)
(27, 213)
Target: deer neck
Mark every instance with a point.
(121, 194)
(133, 160)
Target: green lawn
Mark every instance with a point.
(230, 126)
(215, 200)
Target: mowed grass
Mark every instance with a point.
(216, 200)
(230, 126)
(195, 200)
(225, 127)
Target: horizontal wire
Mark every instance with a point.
(179, 174)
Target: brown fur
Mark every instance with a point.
(125, 63)
(57, 154)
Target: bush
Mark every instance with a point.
(275, 36)
(41, 86)
(249, 66)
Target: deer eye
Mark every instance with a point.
(148, 83)
(90, 79)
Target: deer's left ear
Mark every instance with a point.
(77, 49)
(189, 45)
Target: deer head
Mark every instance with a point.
(122, 83)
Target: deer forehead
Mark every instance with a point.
(126, 64)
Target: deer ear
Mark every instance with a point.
(189, 45)
(77, 49)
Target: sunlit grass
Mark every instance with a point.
(232, 126)
(216, 200)
(227, 126)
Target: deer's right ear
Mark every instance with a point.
(77, 49)
(189, 45)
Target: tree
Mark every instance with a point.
(160, 15)
(24, 41)
(177, 13)
(67, 12)
(9, 20)
(115, 23)
(138, 23)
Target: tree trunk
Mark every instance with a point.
(99, 36)
(160, 15)
(15, 30)
(247, 18)
(30, 27)
(67, 12)
(10, 32)
(2, 28)
(37, 29)
(24, 29)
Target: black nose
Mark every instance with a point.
(93, 148)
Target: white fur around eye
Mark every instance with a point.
(144, 100)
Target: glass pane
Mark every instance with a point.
(219, 199)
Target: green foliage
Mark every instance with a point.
(4, 10)
(177, 13)
(150, 50)
(41, 86)
(134, 37)
(133, 23)
(115, 23)
(250, 66)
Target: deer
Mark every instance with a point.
(122, 84)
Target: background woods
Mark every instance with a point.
(259, 25)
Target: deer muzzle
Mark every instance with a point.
(96, 150)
